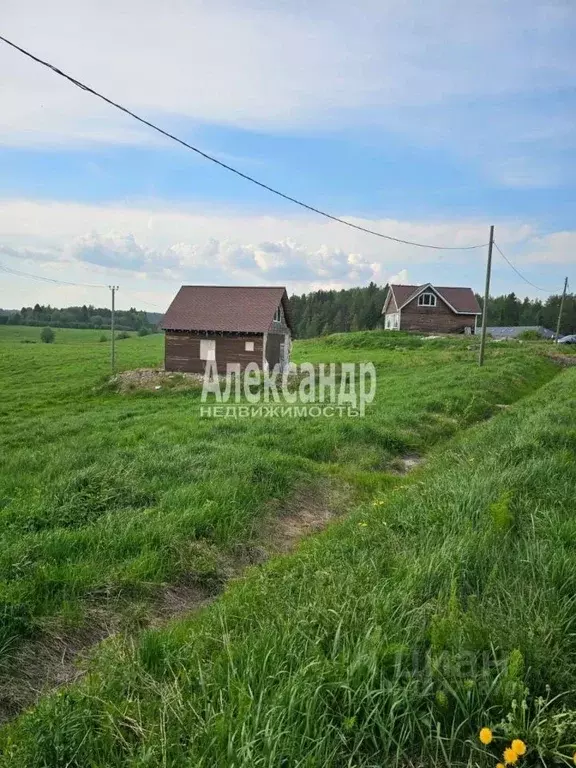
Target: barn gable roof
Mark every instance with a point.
(461, 300)
(236, 309)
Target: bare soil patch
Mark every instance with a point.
(59, 656)
(565, 360)
(404, 464)
(155, 379)
(308, 511)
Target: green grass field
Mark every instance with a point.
(106, 499)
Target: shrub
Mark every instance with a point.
(123, 335)
(530, 335)
(47, 335)
(103, 338)
(143, 332)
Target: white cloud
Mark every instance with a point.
(554, 248)
(289, 65)
(401, 278)
(152, 249)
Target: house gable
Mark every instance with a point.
(390, 304)
(412, 302)
(280, 320)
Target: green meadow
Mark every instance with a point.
(437, 603)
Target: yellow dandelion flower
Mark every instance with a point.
(510, 757)
(500, 765)
(519, 747)
(574, 758)
(485, 736)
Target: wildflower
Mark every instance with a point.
(500, 765)
(510, 757)
(519, 747)
(574, 758)
(485, 736)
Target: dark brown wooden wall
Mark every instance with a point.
(273, 341)
(182, 351)
(438, 319)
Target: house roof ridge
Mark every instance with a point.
(222, 308)
(228, 287)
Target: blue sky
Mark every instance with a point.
(425, 123)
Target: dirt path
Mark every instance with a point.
(59, 657)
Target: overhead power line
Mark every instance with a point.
(230, 168)
(143, 301)
(18, 273)
(507, 260)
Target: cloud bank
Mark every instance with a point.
(154, 249)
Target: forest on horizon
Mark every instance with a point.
(314, 314)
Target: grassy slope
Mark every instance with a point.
(106, 497)
(388, 640)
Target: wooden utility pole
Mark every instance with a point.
(113, 288)
(561, 308)
(486, 297)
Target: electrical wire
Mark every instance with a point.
(230, 168)
(19, 273)
(507, 260)
(143, 301)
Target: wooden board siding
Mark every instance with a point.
(279, 326)
(438, 319)
(182, 351)
(273, 341)
(390, 305)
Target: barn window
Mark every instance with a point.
(249, 345)
(207, 349)
(277, 314)
(427, 300)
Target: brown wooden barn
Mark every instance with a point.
(228, 324)
(431, 309)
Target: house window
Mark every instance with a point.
(277, 315)
(207, 349)
(249, 346)
(427, 300)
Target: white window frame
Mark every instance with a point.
(248, 346)
(427, 295)
(277, 314)
(207, 349)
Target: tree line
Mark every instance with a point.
(314, 314)
(357, 309)
(78, 317)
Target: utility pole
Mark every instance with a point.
(486, 297)
(561, 308)
(113, 288)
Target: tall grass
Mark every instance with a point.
(442, 606)
(106, 497)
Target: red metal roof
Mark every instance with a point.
(461, 299)
(237, 309)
